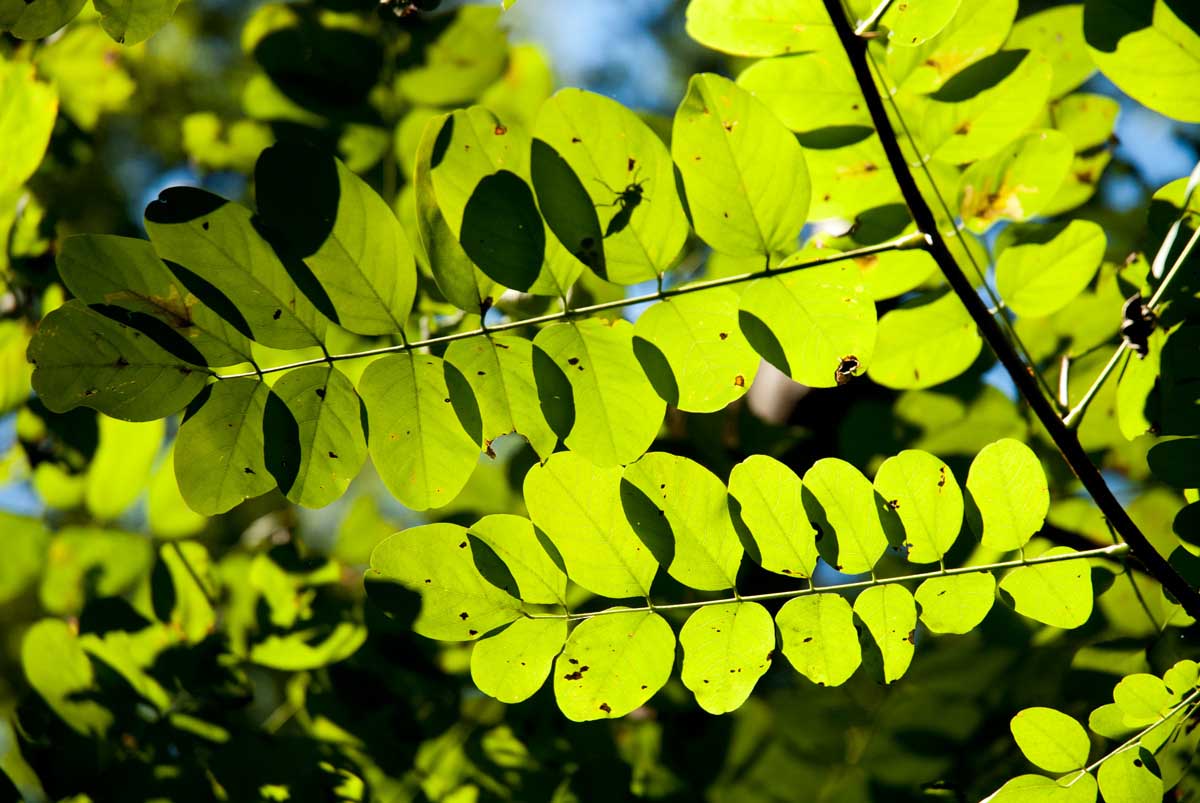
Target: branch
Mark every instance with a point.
(898, 244)
(1020, 373)
(1099, 552)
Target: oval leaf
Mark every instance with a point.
(819, 638)
(513, 664)
(766, 497)
(923, 492)
(726, 649)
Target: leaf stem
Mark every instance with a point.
(812, 588)
(1023, 375)
(1073, 417)
(867, 26)
(907, 241)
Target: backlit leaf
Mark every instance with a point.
(1127, 776)
(1040, 789)
(513, 664)
(132, 21)
(704, 550)
(956, 603)
(1017, 182)
(613, 664)
(809, 91)
(1008, 489)
(81, 357)
(1056, 594)
(923, 492)
(1050, 739)
(578, 506)
(59, 670)
(806, 323)
(842, 505)
(760, 27)
(744, 173)
(766, 496)
(890, 615)
(436, 561)
(219, 458)
(819, 638)
(693, 350)
(1048, 267)
(976, 31)
(925, 345)
(913, 23)
(418, 444)
(1151, 50)
(513, 538)
(617, 412)
(726, 649)
(27, 115)
(121, 466)
(1056, 35)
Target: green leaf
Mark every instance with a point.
(463, 284)
(701, 548)
(418, 444)
(499, 370)
(513, 538)
(923, 492)
(129, 22)
(59, 670)
(693, 351)
(125, 273)
(81, 357)
(121, 465)
(849, 177)
(1109, 721)
(219, 459)
(890, 615)
(91, 562)
(760, 27)
(1127, 777)
(1143, 699)
(309, 649)
(25, 543)
(1050, 739)
(975, 32)
(438, 562)
(466, 56)
(316, 444)
(1151, 50)
(744, 173)
(842, 505)
(513, 664)
(1016, 183)
(982, 108)
(36, 19)
(191, 613)
(26, 120)
(327, 217)
(1176, 461)
(925, 345)
(726, 649)
(1056, 35)
(627, 172)
(809, 91)
(1040, 789)
(1056, 594)
(766, 497)
(807, 322)
(214, 243)
(617, 412)
(957, 603)
(578, 506)
(819, 638)
(613, 664)
(914, 23)
(1049, 266)
(894, 273)
(1008, 489)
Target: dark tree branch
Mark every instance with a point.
(1021, 374)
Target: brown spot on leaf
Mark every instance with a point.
(739, 381)
(463, 545)
(276, 314)
(606, 708)
(573, 361)
(321, 393)
(723, 335)
(463, 616)
(576, 139)
(333, 456)
(499, 130)
(248, 470)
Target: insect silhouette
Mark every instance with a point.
(626, 200)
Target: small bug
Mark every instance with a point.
(626, 200)
(846, 369)
(1137, 322)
